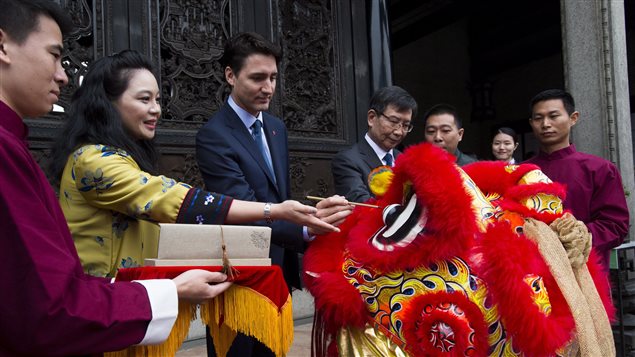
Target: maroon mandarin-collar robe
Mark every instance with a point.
(48, 305)
(595, 194)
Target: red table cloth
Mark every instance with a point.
(257, 304)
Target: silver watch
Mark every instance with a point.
(267, 212)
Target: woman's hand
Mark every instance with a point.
(296, 212)
(334, 210)
(322, 219)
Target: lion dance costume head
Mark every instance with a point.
(445, 267)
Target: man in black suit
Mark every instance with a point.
(242, 151)
(389, 121)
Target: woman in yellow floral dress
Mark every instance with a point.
(110, 192)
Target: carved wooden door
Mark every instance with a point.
(323, 84)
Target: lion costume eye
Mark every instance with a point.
(391, 213)
(402, 224)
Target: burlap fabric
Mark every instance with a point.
(565, 247)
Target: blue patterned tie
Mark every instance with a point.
(256, 132)
(388, 159)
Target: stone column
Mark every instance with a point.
(595, 71)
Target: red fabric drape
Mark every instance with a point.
(266, 280)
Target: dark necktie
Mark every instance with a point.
(388, 159)
(256, 132)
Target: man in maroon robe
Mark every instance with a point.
(49, 306)
(595, 194)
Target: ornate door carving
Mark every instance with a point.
(322, 76)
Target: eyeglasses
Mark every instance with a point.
(395, 123)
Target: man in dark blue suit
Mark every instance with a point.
(243, 152)
(389, 121)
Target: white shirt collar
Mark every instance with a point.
(379, 151)
(246, 117)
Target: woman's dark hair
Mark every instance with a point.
(94, 119)
(508, 131)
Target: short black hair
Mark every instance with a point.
(244, 44)
(443, 108)
(549, 94)
(395, 96)
(19, 18)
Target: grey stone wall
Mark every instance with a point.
(595, 67)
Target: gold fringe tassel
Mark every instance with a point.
(222, 335)
(245, 310)
(238, 309)
(187, 313)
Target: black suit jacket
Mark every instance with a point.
(231, 163)
(350, 169)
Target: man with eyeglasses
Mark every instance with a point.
(443, 129)
(389, 121)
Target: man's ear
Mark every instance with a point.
(461, 134)
(4, 56)
(371, 116)
(229, 76)
(574, 117)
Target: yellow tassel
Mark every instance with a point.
(238, 309)
(223, 337)
(187, 312)
(245, 310)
